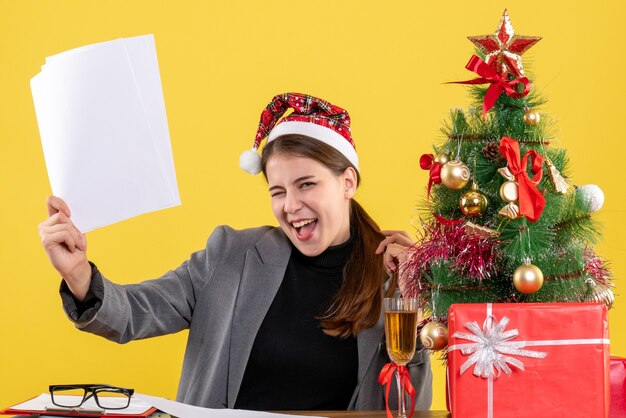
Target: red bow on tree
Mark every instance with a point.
(531, 200)
(499, 82)
(385, 378)
(427, 162)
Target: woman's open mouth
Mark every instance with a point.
(304, 228)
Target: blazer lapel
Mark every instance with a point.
(368, 343)
(263, 272)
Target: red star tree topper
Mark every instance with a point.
(503, 49)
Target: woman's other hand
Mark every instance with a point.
(394, 248)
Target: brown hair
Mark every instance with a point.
(357, 304)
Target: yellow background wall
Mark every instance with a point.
(221, 62)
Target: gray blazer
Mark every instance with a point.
(222, 294)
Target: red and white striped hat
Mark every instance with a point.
(312, 117)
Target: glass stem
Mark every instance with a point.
(401, 400)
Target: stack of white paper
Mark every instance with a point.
(43, 403)
(139, 404)
(104, 131)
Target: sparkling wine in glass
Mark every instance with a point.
(401, 336)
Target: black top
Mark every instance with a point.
(293, 365)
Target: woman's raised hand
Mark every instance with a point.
(66, 247)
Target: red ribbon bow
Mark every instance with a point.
(531, 200)
(385, 378)
(499, 82)
(427, 162)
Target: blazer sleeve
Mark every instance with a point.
(154, 307)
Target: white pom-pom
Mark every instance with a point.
(250, 161)
(593, 195)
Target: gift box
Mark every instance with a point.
(618, 387)
(528, 360)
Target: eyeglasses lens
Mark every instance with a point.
(112, 398)
(67, 396)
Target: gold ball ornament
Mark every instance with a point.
(473, 203)
(441, 158)
(454, 175)
(528, 279)
(509, 191)
(531, 117)
(434, 336)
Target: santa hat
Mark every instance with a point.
(312, 117)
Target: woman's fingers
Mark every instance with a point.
(56, 204)
(56, 218)
(78, 237)
(394, 237)
(83, 241)
(394, 254)
(53, 239)
(57, 222)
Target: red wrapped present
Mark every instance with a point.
(529, 360)
(618, 387)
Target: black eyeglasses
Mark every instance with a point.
(105, 396)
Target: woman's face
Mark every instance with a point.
(310, 202)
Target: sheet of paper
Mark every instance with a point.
(142, 55)
(104, 131)
(44, 402)
(181, 410)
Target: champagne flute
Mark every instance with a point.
(401, 335)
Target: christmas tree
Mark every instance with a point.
(502, 221)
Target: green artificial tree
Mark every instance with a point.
(497, 225)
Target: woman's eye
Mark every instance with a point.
(307, 184)
(277, 194)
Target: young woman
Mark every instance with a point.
(280, 318)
